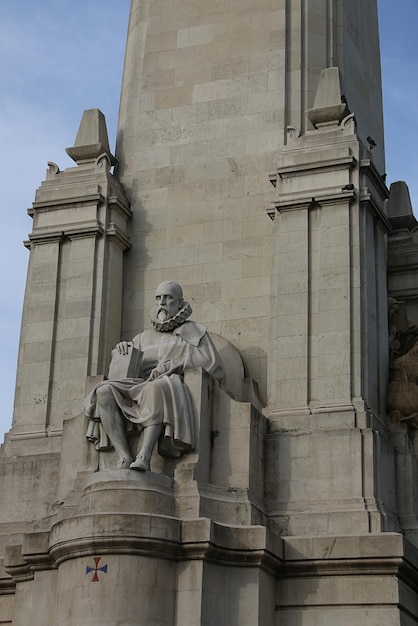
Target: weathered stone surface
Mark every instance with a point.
(92, 140)
(213, 110)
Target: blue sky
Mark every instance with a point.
(60, 58)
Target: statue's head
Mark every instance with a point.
(170, 310)
(169, 298)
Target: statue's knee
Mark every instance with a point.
(104, 394)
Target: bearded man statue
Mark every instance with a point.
(157, 401)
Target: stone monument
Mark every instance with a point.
(248, 468)
(154, 399)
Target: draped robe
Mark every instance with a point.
(163, 400)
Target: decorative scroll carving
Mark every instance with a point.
(293, 133)
(103, 161)
(348, 124)
(52, 170)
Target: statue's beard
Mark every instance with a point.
(161, 319)
(162, 314)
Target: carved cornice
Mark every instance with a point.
(385, 554)
(129, 544)
(20, 572)
(115, 233)
(66, 203)
(115, 533)
(35, 551)
(396, 566)
(36, 239)
(28, 434)
(76, 230)
(41, 236)
(294, 204)
(118, 204)
(325, 199)
(249, 546)
(7, 586)
(319, 163)
(310, 165)
(384, 565)
(166, 537)
(368, 168)
(81, 231)
(23, 560)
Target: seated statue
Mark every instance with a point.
(157, 401)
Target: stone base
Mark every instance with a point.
(136, 569)
(369, 579)
(331, 480)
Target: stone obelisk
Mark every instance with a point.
(214, 100)
(249, 167)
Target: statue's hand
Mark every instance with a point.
(155, 373)
(158, 371)
(123, 347)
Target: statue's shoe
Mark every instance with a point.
(141, 464)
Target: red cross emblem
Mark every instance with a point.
(96, 569)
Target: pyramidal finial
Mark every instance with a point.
(92, 139)
(329, 106)
(400, 212)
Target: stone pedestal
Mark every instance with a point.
(181, 545)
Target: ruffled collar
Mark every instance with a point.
(174, 322)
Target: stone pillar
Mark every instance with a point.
(329, 320)
(72, 306)
(329, 340)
